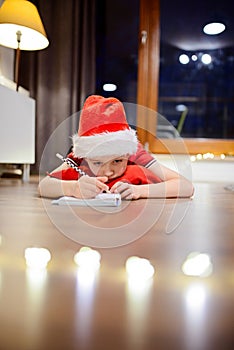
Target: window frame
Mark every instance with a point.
(147, 92)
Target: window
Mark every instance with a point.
(197, 97)
(196, 69)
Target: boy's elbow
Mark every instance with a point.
(39, 190)
(187, 188)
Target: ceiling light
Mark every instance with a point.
(109, 87)
(214, 28)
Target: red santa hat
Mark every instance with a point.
(103, 130)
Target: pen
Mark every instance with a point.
(71, 163)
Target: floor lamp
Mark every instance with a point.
(21, 28)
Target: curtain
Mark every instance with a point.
(61, 76)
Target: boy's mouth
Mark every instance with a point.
(111, 177)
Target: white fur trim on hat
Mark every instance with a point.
(116, 143)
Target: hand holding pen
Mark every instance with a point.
(89, 186)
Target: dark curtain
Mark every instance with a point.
(61, 76)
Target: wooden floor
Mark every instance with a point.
(63, 309)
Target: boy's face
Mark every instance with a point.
(108, 166)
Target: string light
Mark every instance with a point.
(199, 156)
(197, 264)
(37, 258)
(139, 268)
(88, 258)
(207, 156)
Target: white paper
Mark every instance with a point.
(101, 200)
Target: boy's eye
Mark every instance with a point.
(97, 163)
(118, 161)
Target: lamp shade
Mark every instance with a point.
(21, 16)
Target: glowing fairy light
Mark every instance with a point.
(199, 156)
(197, 264)
(139, 268)
(88, 258)
(37, 258)
(205, 156)
(193, 158)
(208, 155)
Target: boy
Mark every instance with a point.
(107, 150)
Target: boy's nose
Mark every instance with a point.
(107, 171)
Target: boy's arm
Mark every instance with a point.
(52, 187)
(172, 185)
(85, 187)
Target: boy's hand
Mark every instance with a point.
(89, 186)
(126, 190)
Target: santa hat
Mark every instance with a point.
(103, 130)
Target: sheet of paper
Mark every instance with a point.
(101, 200)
